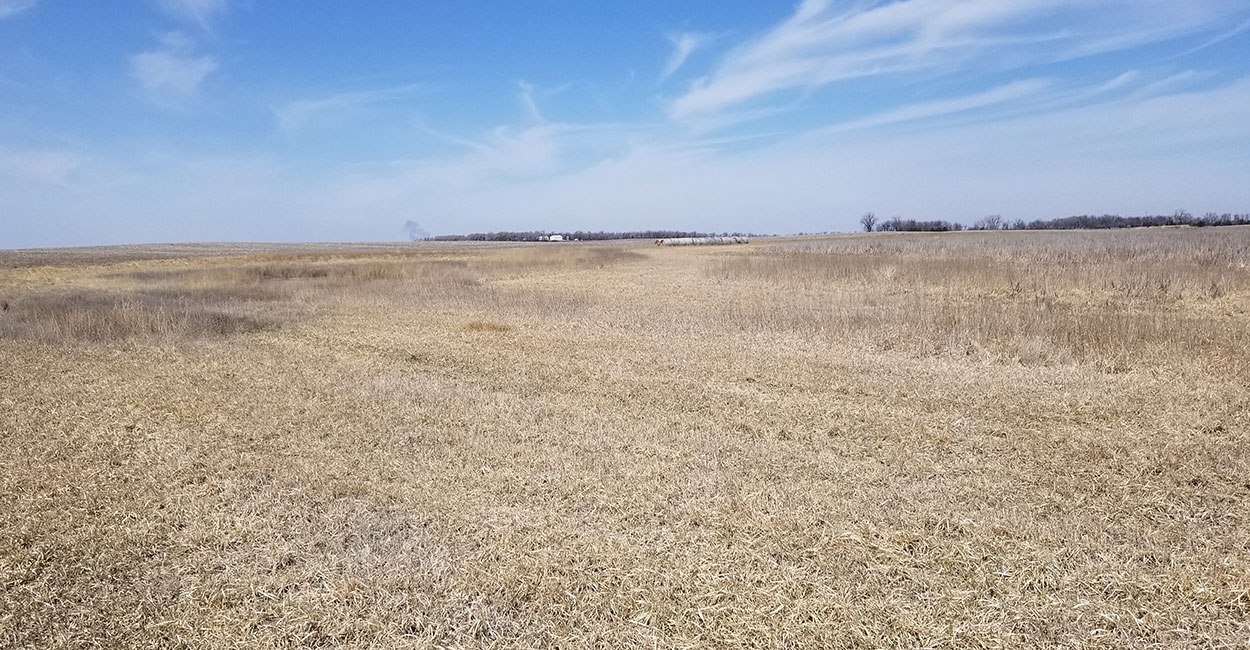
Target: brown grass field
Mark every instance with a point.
(966, 440)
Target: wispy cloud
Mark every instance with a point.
(1219, 38)
(173, 72)
(1171, 83)
(526, 96)
(14, 7)
(508, 153)
(823, 42)
(1123, 155)
(42, 167)
(684, 44)
(317, 112)
(938, 108)
(200, 13)
(529, 95)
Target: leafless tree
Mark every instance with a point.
(992, 222)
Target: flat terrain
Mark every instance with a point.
(1015, 439)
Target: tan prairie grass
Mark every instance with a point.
(781, 446)
(1030, 297)
(1131, 264)
(349, 272)
(555, 256)
(486, 326)
(186, 304)
(227, 252)
(92, 317)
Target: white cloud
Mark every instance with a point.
(1220, 38)
(1005, 93)
(14, 7)
(1125, 154)
(526, 96)
(42, 167)
(822, 43)
(1138, 142)
(173, 73)
(196, 12)
(303, 114)
(508, 155)
(684, 44)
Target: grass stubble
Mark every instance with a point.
(961, 440)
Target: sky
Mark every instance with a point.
(136, 121)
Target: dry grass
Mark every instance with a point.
(485, 326)
(182, 304)
(348, 272)
(999, 440)
(555, 256)
(104, 317)
(1143, 296)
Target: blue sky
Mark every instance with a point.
(247, 120)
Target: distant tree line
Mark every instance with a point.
(899, 224)
(870, 223)
(1087, 221)
(584, 235)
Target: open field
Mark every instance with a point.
(1007, 439)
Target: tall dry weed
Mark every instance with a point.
(104, 317)
(1098, 297)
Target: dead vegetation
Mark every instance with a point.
(78, 316)
(217, 299)
(349, 273)
(1147, 296)
(884, 441)
(525, 260)
(485, 326)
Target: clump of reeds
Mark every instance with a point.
(555, 257)
(485, 326)
(321, 273)
(213, 300)
(82, 316)
(1112, 299)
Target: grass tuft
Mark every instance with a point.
(1115, 300)
(485, 326)
(103, 318)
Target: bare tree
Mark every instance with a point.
(868, 221)
(992, 222)
(414, 230)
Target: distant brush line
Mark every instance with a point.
(1076, 222)
(1092, 222)
(700, 241)
(600, 235)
